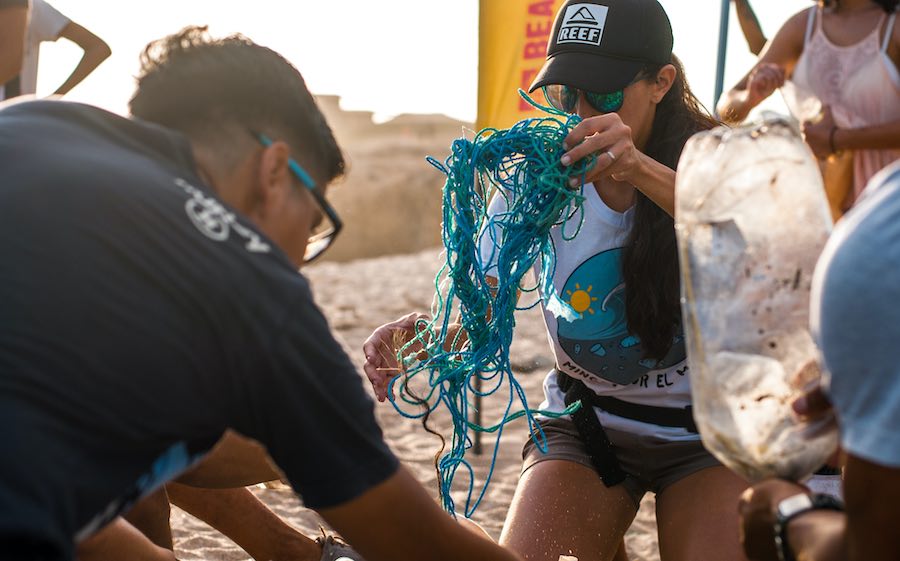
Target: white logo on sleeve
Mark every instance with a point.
(215, 221)
(583, 23)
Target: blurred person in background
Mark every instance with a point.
(840, 60)
(13, 21)
(46, 23)
(750, 27)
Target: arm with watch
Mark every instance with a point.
(783, 521)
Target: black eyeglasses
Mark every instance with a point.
(325, 231)
(565, 98)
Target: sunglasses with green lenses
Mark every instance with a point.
(565, 98)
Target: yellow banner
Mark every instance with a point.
(513, 36)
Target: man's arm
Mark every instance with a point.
(95, 51)
(398, 521)
(865, 532)
(815, 535)
(121, 540)
(872, 494)
(13, 20)
(235, 461)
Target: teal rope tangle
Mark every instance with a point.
(522, 165)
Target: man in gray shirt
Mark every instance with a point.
(856, 317)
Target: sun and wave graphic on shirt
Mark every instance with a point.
(581, 299)
(598, 341)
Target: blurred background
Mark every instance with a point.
(397, 79)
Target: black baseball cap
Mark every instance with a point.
(601, 45)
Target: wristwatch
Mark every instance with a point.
(792, 507)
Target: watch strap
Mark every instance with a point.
(792, 507)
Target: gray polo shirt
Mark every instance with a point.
(856, 318)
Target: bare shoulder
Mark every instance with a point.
(796, 24)
(785, 48)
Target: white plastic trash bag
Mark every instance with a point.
(752, 219)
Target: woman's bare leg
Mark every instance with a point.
(563, 508)
(698, 519)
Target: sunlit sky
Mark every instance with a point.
(386, 56)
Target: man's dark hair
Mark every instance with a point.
(216, 91)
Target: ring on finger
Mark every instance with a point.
(611, 155)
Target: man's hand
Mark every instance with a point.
(813, 404)
(814, 408)
(757, 509)
(381, 348)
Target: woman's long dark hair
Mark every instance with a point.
(650, 257)
(887, 5)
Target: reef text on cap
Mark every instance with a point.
(582, 23)
(601, 45)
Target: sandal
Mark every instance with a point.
(336, 549)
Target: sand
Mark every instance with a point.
(357, 296)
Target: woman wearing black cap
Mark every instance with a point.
(611, 62)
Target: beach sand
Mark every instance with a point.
(357, 296)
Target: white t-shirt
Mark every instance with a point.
(45, 23)
(597, 348)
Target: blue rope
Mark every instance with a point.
(522, 165)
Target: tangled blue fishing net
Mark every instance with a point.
(453, 366)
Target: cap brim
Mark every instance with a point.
(590, 72)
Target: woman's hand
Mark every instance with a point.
(608, 137)
(818, 135)
(764, 79)
(617, 157)
(381, 348)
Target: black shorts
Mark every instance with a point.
(652, 463)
